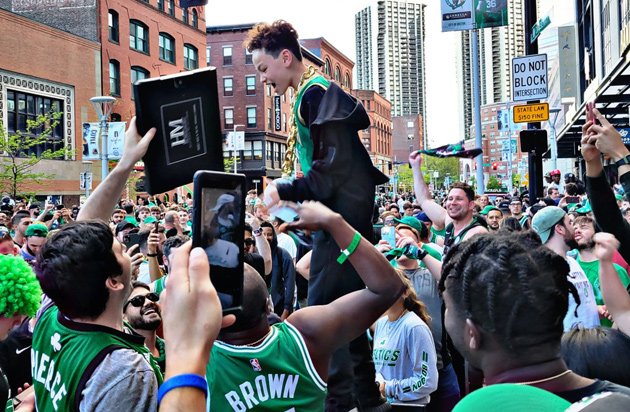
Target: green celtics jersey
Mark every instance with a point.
(275, 375)
(304, 144)
(66, 353)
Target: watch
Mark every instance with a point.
(623, 161)
(257, 232)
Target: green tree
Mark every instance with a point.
(19, 158)
(448, 166)
(493, 183)
(516, 180)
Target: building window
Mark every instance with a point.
(191, 59)
(268, 90)
(250, 85)
(115, 117)
(195, 19)
(138, 36)
(337, 74)
(208, 55)
(227, 56)
(346, 80)
(228, 114)
(160, 5)
(284, 122)
(112, 24)
(23, 107)
(228, 86)
(171, 7)
(247, 151)
(185, 15)
(258, 149)
(167, 48)
(114, 78)
(327, 67)
(269, 119)
(251, 117)
(138, 73)
(269, 150)
(248, 57)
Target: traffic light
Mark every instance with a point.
(495, 165)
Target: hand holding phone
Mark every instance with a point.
(388, 234)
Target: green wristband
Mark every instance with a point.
(345, 253)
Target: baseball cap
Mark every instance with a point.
(545, 220)
(33, 206)
(569, 175)
(132, 220)
(586, 207)
(36, 229)
(149, 219)
(124, 225)
(410, 222)
(489, 209)
(510, 397)
(224, 199)
(555, 172)
(422, 217)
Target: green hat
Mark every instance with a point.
(131, 220)
(545, 219)
(510, 397)
(411, 222)
(36, 229)
(618, 197)
(586, 208)
(489, 209)
(149, 219)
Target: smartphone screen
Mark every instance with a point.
(219, 227)
(388, 233)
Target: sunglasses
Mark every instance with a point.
(249, 241)
(138, 301)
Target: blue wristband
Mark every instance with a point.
(181, 381)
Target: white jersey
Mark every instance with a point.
(587, 315)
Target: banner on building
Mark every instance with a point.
(277, 109)
(92, 140)
(460, 15)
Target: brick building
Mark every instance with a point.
(337, 66)
(53, 69)
(377, 138)
(406, 136)
(71, 50)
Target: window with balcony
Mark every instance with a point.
(167, 48)
(191, 58)
(112, 26)
(138, 36)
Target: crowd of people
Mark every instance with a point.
(423, 301)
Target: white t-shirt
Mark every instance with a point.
(587, 315)
(286, 242)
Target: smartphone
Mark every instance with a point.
(573, 199)
(285, 213)
(388, 233)
(219, 228)
(131, 239)
(589, 111)
(60, 207)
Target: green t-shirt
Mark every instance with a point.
(275, 375)
(591, 269)
(159, 285)
(304, 145)
(66, 353)
(436, 233)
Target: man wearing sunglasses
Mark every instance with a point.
(144, 315)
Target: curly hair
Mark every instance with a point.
(20, 293)
(273, 38)
(511, 286)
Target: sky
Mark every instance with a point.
(334, 20)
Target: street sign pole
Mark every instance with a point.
(474, 36)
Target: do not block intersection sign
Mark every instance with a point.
(529, 78)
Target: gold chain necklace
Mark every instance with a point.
(292, 138)
(545, 379)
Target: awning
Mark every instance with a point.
(613, 101)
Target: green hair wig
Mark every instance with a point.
(20, 293)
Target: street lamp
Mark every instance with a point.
(553, 117)
(103, 106)
(234, 143)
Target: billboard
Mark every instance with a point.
(92, 141)
(473, 14)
